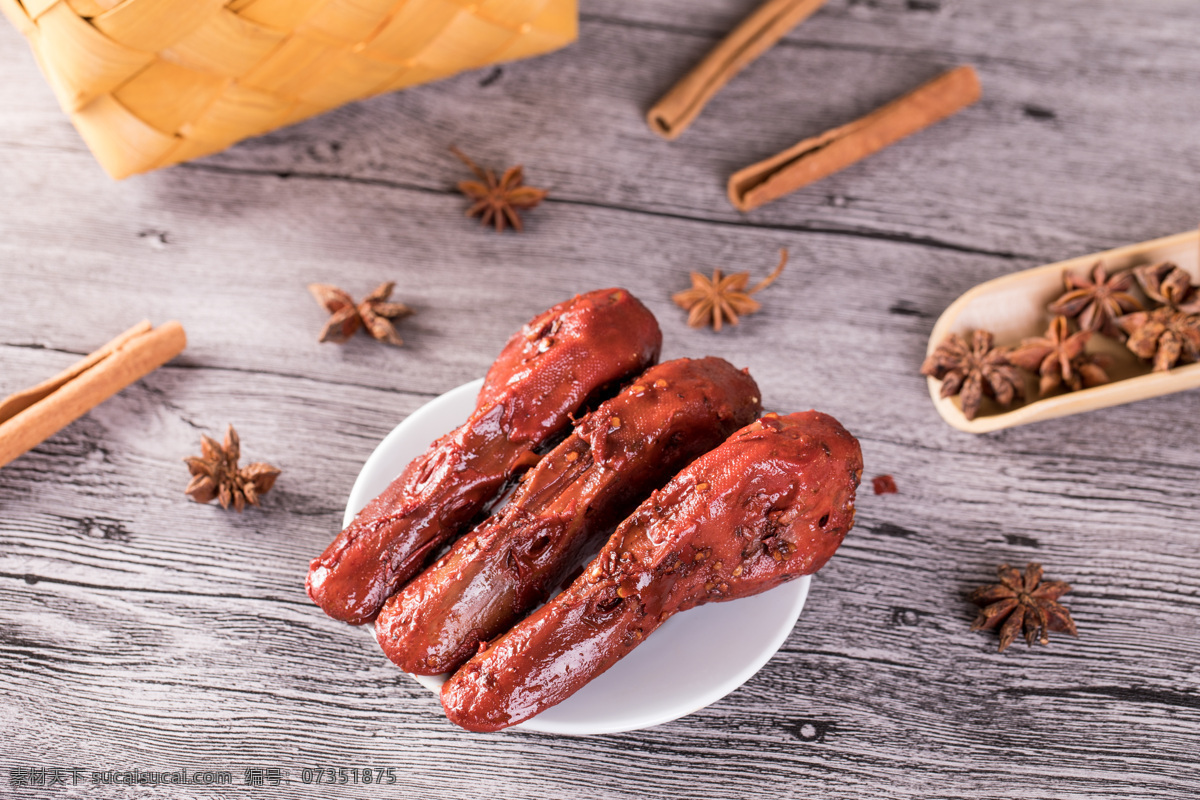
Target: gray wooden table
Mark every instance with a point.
(139, 630)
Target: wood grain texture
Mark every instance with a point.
(138, 629)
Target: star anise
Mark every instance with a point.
(1097, 301)
(974, 370)
(215, 474)
(722, 298)
(1165, 336)
(1059, 358)
(1168, 284)
(1023, 602)
(374, 313)
(497, 200)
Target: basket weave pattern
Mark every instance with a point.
(154, 82)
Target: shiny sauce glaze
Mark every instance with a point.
(546, 373)
(770, 504)
(629, 446)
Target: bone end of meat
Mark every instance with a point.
(546, 372)
(769, 505)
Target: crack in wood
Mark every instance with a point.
(904, 308)
(1038, 113)
(793, 41)
(1129, 694)
(811, 730)
(902, 617)
(496, 74)
(298, 377)
(34, 579)
(105, 528)
(890, 529)
(191, 365)
(857, 233)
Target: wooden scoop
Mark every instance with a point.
(1014, 308)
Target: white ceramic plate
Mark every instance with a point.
(693, 660)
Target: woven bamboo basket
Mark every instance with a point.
(154, 82)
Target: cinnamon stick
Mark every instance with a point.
(838, 148)
(29, 417)
(671, 115)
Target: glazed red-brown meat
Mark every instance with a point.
(770, 504)
(545, 373)
(616, 455)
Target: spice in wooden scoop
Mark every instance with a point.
(1097, 299)
(1060, 359)
(671, 115)
(1170, 334)
(974, 367)
(821, 156)
(1164, 336)
(1168, 285)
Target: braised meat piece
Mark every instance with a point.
(548, 371)
(615, 457)
(770, 504)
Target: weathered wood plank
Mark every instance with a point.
(138, 629)
(228, 627)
